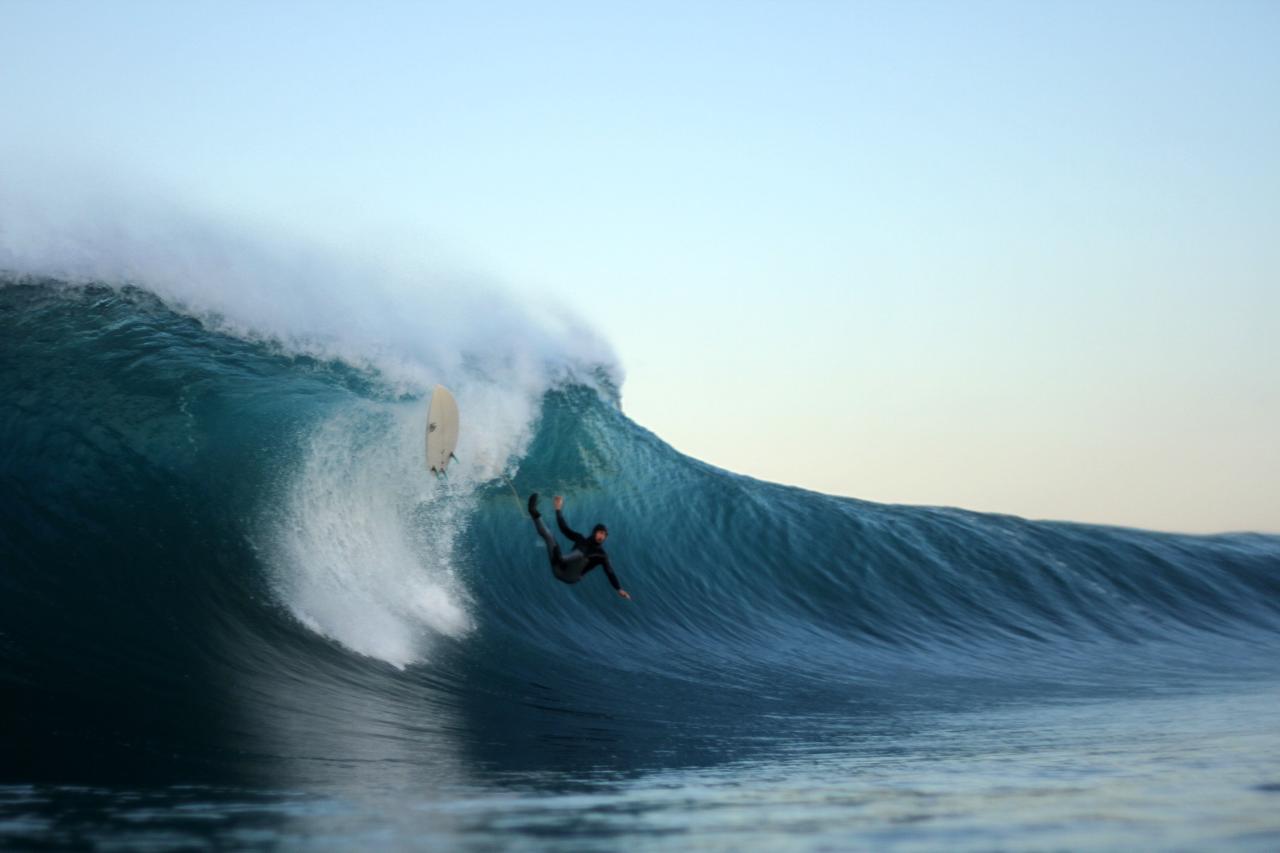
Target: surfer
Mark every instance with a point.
(588, 551)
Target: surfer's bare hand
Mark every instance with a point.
(559, 502)
(624, 594)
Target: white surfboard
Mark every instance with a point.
(442, 429)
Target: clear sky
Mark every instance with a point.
(1021, 257)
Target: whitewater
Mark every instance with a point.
(237, 611)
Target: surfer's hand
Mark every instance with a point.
(559, 503)
(624, 594)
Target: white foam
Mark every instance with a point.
(362, 543)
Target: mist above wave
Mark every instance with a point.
(415, 325)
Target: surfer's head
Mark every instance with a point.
(600, 533)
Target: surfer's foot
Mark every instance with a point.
(533, 506)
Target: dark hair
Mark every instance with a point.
(598, 528)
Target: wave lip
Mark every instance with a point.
(413, 326)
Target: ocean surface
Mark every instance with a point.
(236, 611)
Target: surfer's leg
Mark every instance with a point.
(553, 547)
(569, 569)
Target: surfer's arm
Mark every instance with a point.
(567, 530)
(613, 579)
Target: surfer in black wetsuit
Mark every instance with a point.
(588, 551)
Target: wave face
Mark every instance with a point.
(221, 551)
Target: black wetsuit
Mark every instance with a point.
(587, 553)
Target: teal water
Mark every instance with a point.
(234, 611)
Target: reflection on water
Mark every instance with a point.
(1190, 771)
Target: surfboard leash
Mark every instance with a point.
(514, 493)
